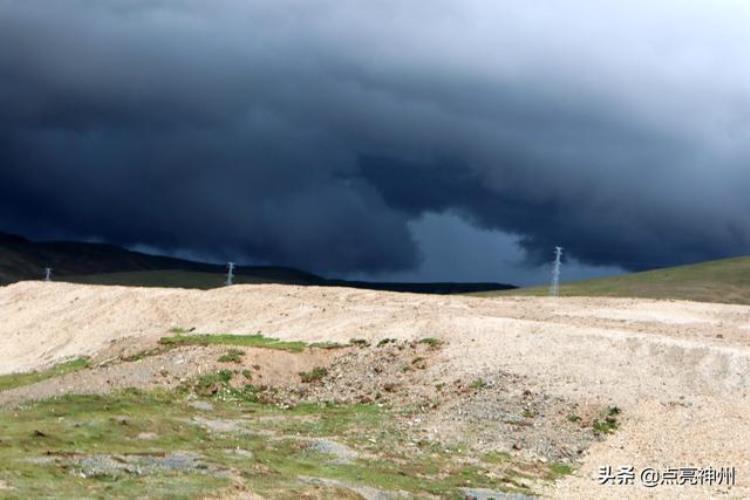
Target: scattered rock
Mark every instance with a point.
(219, 425)
(366, 492)
(485, 494)
(342, 454)
(129, 465)
(201, 405)
(239, 452)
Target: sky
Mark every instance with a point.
(451, 140)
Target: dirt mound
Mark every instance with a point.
(669, 366)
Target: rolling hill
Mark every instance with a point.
(725, 281)
(102, 264)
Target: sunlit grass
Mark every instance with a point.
(256, 340)
(14, 380)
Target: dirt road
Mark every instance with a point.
(680, 371)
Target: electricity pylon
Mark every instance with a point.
(230, 274)
(554, 289)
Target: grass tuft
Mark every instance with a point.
(558, 470)
(607, 424)
(478, 384)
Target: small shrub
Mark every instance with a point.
(386, 342)
(574, 418)
(314, 375)
(431, 342)
(210, 383)
(558, 470)
(478, 384)
(359, 343)
(606, 425)
(232, 356)
(248, 393)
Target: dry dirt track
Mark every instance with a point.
(679, 370)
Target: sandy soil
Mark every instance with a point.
(680, 371)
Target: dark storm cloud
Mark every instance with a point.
(311, 133)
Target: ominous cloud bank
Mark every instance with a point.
(313, 132)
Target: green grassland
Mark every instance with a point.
(159, 444)
(726, 281)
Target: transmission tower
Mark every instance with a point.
(230, 274)
(554, 289)
(47, 274)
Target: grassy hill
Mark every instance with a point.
(101, 264)
(21, 259)
(726, 280)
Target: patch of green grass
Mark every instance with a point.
(14, 380)
(219, 386)
(232, 356)
(478, 384)
(497, 457)
(313, 375)
(559, 470)
(256, 340)
(607, 424)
